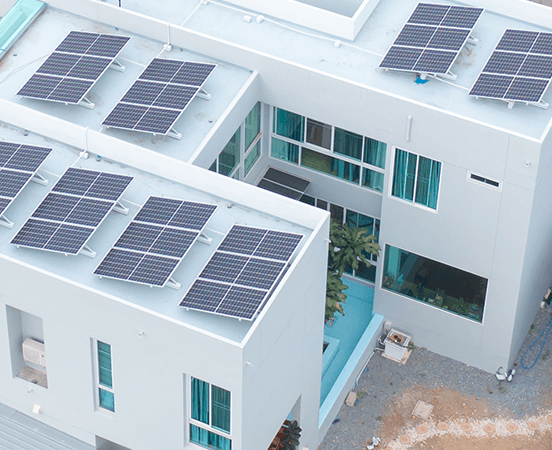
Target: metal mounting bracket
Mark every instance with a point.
(116, 65)
(174, 134)
(173, 284)
(86, 103)
(87, 251)
(5, 222)
(203, 94)
(120, 208)
(472, 40)
(204, 238)
(37, 178)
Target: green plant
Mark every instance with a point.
(378, 418)
(292, 433)
(531, 328)
(411, 345)
(334, 295)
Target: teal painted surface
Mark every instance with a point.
(348, 330)
(16, 20)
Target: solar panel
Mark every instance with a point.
(73, 68)
(241, 274)
(71, 212)
(431, 39)
(161, 233)
(4, 203)
(518, 70)
(159, 96)
(27, 157)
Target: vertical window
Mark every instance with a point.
(252, 125)
(374, 152)
(416, 175)
(105, 377)
(285, 150)
(348, 144)
(319, 133)
(252, 157)
(372, 179)
(210, 415)
(289, 124)
(229, 158)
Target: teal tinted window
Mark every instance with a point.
(200, 400)
(285, 150)
(434, 283)
(229, 158)
(213, 167)
(107, 400)
(104, 364)
(332, 166)
(252, 125)
(427, 187)
(209, 439)
(372, 179)
(348, 144)
(374, 152)
(308, 200)
(252, 157)
(289, 124)
(221, 409)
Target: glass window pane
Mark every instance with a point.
(229, 158)
(105, 377)
(351, 219)
(374, 152)
(403, 175)
(344, 170)
(200, 400)
(213, 167)
(252, 124)
(366, 273)
(348, 144)
(107, 400)
(220, 416)
(332, 166)
(308, 200)
(336, 212)
(285, 150)
(427, 187)
(208, 439)
(289, 124)
(435, 283)
(319, 133)
(322, 204)
(372, 179)
(252, 157)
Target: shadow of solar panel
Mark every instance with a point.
(448, 39)
(107, 45)
(242, 240)
(193, 74)
(415, 35)
(55, 207)
(401, 58)
(204, 295)
(4, 203)
(517, 40)
(68, 239)
(543, 44)
(27, 157)
(139, 236)
(504, 63)
(491, 86)
(241, 302)
(118, 264)
(193, 216)
(89, 68)
(108, 186)
(157, 120)
(143, 92)
(278, 245)
(224, 267)
(7, 150)
(428, 14)
(461, 17)
(161, 70)
(526, 89)
(39, 86)
(176, 97)
(435, 61)
(124, 116)
(77, 42)
(173, 242)
(75, 181)
(70, 91)
(58, 64)
(536, 66)
(11, 182)
(279, 189)
(154, 270)
(286, 179)
(35, 233)
(158, 210)
(260, 273)
(89, 212)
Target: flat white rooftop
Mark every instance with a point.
(79, 269)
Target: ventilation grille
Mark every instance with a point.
(33, 352)
(481, 179)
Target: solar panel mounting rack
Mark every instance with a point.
(72, 211)
(19, 164)
(155, 242)
(240, 276)
(518, 70)
(74, 66)
(159, 96)
(431, 40)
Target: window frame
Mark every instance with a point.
(413, 202)
(97, 384)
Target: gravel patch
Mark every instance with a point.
(383, 380)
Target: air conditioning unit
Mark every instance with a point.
(33, 351)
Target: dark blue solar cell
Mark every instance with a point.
(89, 212)
(243, 240)
(536, 66)
(107, 45)
(139, 236)
(109, 186)
(428, 14)
(193, 216)
(143, 92)
(526, 89)
(39, 86)
(35, 233)
(491, 86)
(175, 97)
(68, 239)
(161, 70)
(193, 73)
(77, 42)
(415, 35)
(89, 68)
(260, 274)
(118, 264)
(205, 295)
(124, 116)
(224, 267)
(157, 120)
(4, 203)
(401, 58)
(11, 182)
(517, 40)
(154, 270)
(7, 150)
(76, 181)
(28, 158)
(278, 245)
(70, 90)
(543, 44)
(55, 207)
(242, 302)
(173, 242)
(58, 64)
(505, 63)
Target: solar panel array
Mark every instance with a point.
(154, 243)
(431, 39)
(72, 211)
(159, 96)
(18, 164)
(74, 66)
(519, 69)
(241, 274)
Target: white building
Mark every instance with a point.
(453, 186)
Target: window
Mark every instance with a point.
(487, 181)
(252, 125)
(374, 152)
(229, 158)
(210, 416)
(105, 377)
(348, 144)
(332, 166)
(319, 134)
(285, 150)
(416, 178)
(289, 124)
(434, 283)
(252, 157)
